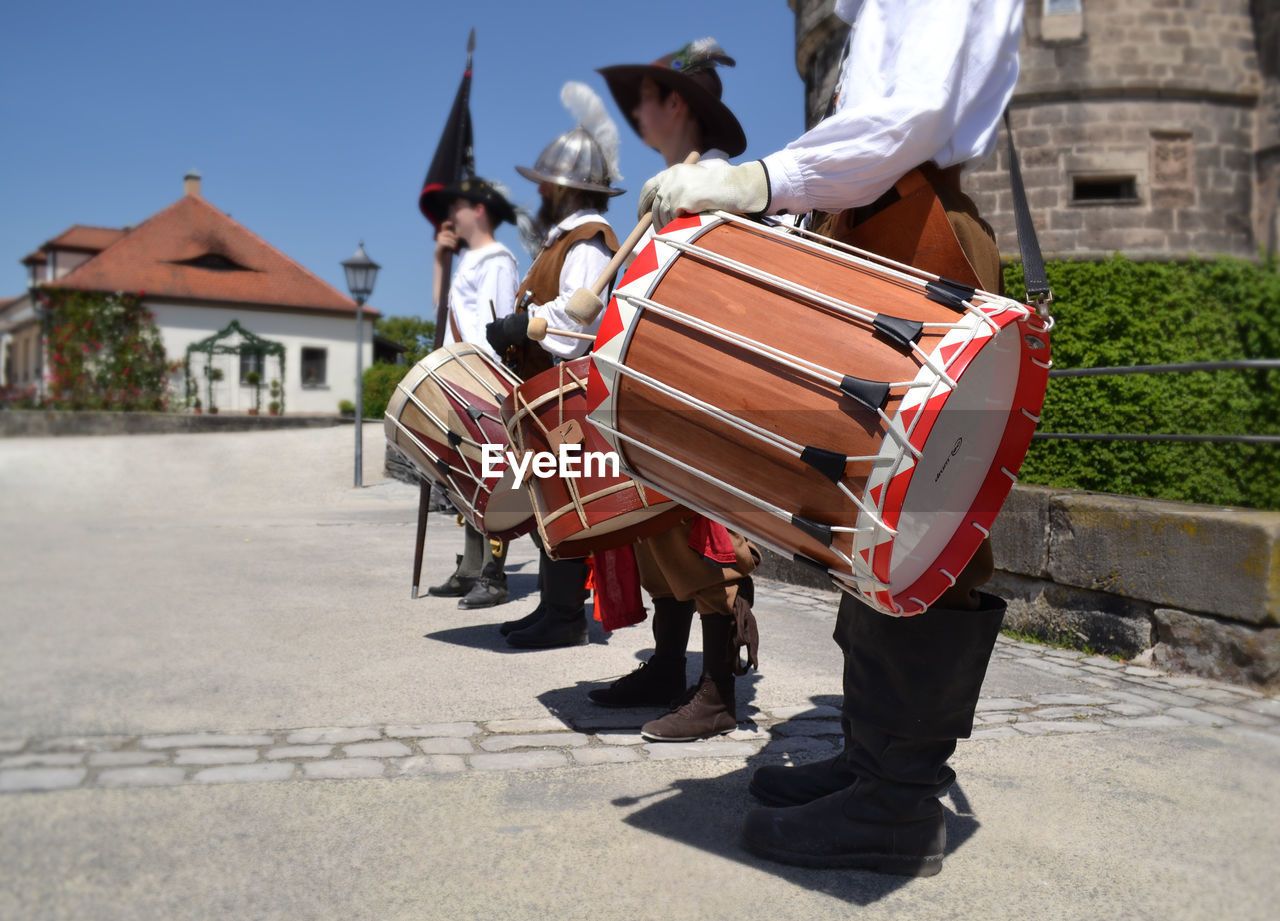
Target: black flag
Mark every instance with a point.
(455, 157)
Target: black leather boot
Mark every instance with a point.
(888, 820)
(506, 628)
(660, 681)
(564, 622)
(455, 586)
(490, 589)
(780, 785)
(911, 686)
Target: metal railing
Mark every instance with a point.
(1243, 364)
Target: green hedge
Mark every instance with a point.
(380, 381)
(1121, 312)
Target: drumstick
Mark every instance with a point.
(538, 330)
(585, 304)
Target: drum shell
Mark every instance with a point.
(597, 510)
(428, 420)
(710, 464)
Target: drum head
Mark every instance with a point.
(946, 484)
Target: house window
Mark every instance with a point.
(1104, 190)
(313, 367)
(250, 361)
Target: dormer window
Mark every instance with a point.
(214, 262)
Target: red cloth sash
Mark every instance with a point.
(711, 541)
(614, 577)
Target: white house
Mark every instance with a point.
(198, 270)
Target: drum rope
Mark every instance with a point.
(853, 311)
(528, 410)
(448, 387)
(443, 426)
(772, 439)
(437, 460)
(859, 258)
(795, 363)
(430, 414)
(764, 505)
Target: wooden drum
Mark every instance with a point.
(441, 416)
(594, 511)
(857, 415)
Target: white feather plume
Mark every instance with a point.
(584, 105)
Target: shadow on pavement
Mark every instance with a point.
(707, 813)
(574, 708)
(486, 635)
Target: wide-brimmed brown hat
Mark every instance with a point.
(691, 72)
(436, 201)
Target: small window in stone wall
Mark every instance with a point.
(313, 367)
(1104, 190)
(1063, 20)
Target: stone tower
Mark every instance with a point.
(1147, 127)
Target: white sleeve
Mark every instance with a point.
(496, 283)
(582, 266)
(498, 286)
(926, 80)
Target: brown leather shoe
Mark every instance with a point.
(707, 711)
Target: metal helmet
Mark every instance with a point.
(574, 160)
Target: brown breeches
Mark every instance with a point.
(669, 568)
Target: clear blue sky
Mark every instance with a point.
(313, 123)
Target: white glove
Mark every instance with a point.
(707, 186)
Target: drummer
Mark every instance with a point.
(483, 288)
(577, 247)
(675, 105)
(921, 89)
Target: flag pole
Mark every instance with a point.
(442, 308)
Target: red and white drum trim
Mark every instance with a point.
(909, 538)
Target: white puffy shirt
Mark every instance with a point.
(582, 266)
(482, 275)
(923, 80)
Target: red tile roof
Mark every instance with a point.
(234, 265)
(89, 239)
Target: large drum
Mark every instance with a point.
(856, 415)
(442, 415)
(596, 509)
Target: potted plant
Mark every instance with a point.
(274, 406)
(215, 375)
(347, 409)
(254, 380)
(197, 407)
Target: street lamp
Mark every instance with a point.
(361, 273)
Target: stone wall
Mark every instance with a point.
(1148, 127)
(1189, 588)
(48, 423)
(1189, 163)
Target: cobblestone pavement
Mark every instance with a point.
(1112, 697)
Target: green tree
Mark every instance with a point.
(414, 333)
(379, 384)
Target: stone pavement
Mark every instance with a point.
(1112, 697)
(219, 697)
